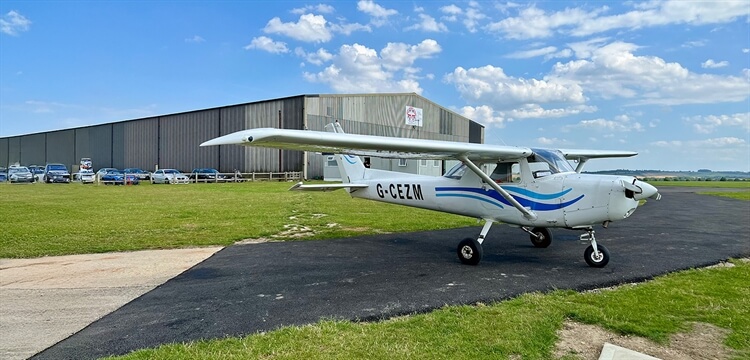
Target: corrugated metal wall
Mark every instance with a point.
(180, 137)
(32, 150)
(14, 150)
(4, 151)
(61, 147)
(384, 115)
(141, 144)
(172, 141)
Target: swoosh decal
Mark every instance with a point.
(533, 205)
(350, 159)
(470, 197)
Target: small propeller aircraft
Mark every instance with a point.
(534, 189)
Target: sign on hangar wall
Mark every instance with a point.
(413, 116)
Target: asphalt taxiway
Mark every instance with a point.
(245, 289)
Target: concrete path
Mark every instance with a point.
(44, 300)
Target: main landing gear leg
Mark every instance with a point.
(596, 255)
(470, 250)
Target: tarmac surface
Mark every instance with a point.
(245, 289)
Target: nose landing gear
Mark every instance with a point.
(595, 255)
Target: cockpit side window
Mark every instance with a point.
(506, 172)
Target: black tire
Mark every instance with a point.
(469, 251)
(544, 239)
(592, 260)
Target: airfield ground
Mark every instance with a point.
(373, 257)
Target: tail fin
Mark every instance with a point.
(351, 167)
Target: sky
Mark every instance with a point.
(668, 79)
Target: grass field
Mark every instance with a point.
(40, 219)
(523, 328)
(57, 219)
(707, 184)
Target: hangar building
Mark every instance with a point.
(172, 141)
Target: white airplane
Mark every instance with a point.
(534, 189)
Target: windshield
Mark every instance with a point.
(171, 171)
(58, 168)
(17, 170)
(555, 159)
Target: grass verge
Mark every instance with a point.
(59, 219)
(524, 327)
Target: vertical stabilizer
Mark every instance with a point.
(350, 166)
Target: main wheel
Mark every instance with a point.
(594, 260)
(544, 239)
(469, 251)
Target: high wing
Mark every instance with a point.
(578, 154)
(369, 145)
(584, 155)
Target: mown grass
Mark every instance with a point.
(706, 184)
(58, 219)
(524, 327)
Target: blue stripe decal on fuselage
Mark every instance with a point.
(470, 197)
(533, 205)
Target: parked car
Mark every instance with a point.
(168, 176)
(37, 171)
(3, 174)
(103, 171)
(18, 174)
(85, 176)
(117, 177)
(56, 173)
(139, 173)
(207, 175)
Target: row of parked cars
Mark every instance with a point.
(58, 173)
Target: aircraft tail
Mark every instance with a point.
(351, 167)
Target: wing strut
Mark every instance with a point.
(526, 212)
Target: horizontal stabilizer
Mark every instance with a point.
(325, 187)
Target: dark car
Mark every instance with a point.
(206, 175)
(3, 174)
(54, 173)
(117, 177)
(139, 173)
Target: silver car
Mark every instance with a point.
(169, 176)
(18, 174)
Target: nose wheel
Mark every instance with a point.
(469, 251)
(595, 255)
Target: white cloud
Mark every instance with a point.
(398, 56)
(470, 17)
(620, 123)
(711, 64)
(490, 85)
(378, 13)
(483, 114)
(613, 70)
(320, 8)
(525, 54)
(195, 39)
(267, 44)
(709, 124)
(553, 141)
(317, 58)
(357, 68)
(534, 111)
(309, 28)
(13, 23)
(428, 24)
(694, 44)
(745, 51)
(533, 22)
(348, 29)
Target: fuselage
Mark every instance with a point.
(559, 200)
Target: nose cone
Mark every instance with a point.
(647, 191)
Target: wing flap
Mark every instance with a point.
(325, 187)
(368, 145)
